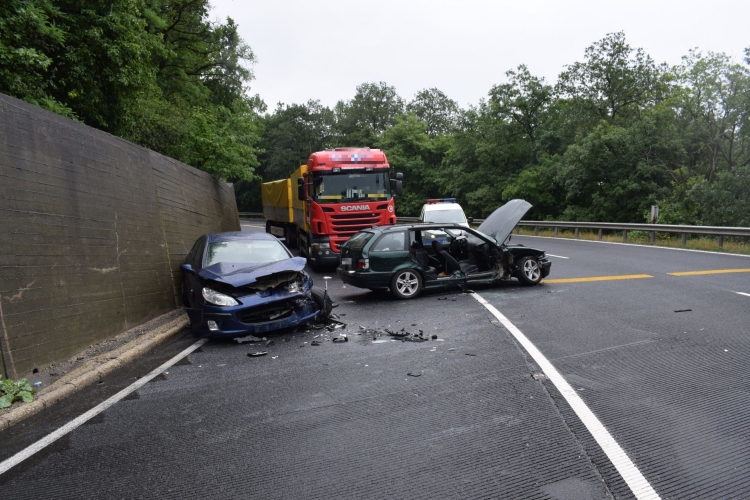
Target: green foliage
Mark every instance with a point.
(11, 391)
(155, 72)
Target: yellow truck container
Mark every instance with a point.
(281, 205)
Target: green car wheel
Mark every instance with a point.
(529, 272)
(406, 284)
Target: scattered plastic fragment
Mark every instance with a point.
(256, 354)
(270, 343)
(434, 337)
(249, 338)
(470, 354)
(413, 374)
(37, 384)
(274, 357)
(35, 370)
(341, 339)
(683, 310)
(382, 341)
(315, 342)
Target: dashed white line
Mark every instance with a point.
(558, 256)
(77, 422)
(743, 293)
(627, 469)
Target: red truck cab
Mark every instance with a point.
(344, 190)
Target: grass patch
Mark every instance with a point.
(709, 243)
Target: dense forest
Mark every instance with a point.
(615, 133)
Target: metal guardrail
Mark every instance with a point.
(251, 215)
(652, 229)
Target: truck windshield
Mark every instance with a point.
(345, 187)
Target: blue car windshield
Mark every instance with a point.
(245, 252)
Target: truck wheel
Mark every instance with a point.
(290, 235)
(323, 301)
(268, 226)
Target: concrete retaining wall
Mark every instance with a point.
(93, 230)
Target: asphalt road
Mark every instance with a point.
(468, 415)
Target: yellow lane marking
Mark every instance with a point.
(601, 278)
(712, 271)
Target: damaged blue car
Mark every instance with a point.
(237, 284)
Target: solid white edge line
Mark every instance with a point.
(634, 245)
(629, 472)
(743, 293)
(78, 421)
(558, 256)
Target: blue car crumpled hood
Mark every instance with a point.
(265, 275)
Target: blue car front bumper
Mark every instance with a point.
(255, 315)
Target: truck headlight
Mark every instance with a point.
(218, 299)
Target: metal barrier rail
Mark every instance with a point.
(652, 229)
(250, 215)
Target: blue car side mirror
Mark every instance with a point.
(187, 267)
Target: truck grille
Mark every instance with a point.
(345, 226)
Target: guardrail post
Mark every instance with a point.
(518, 229)
(576, 233)
(556, 231)
(536, 230)
(601, 232)
(652, 237)
(625, 236)
(721, 241)
(684, 239)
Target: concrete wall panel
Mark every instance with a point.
(92, 232)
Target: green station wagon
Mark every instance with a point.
(407, 259)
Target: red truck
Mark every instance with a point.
(322, 204)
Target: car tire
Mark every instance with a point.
(406, 284)
(529, 272)
(323, 301)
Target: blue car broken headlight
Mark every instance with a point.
(218, 299)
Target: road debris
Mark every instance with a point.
(315, 342)
(683, 310)
(415, 374)
(343, 338)
(270, 343)
(256, 354)
(249, 338)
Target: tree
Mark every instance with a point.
(614, 81)
(374, 107)
(522, 102)
(436, 110)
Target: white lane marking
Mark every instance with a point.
(558, 256)
(743, 293)
(627, 469)
(77, 422)
(636, 245)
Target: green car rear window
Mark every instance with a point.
(359, 240)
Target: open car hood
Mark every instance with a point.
(501, 222)
(262, 275)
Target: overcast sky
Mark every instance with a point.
(323, 49)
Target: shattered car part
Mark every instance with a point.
(257, 354)
(249, 338)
